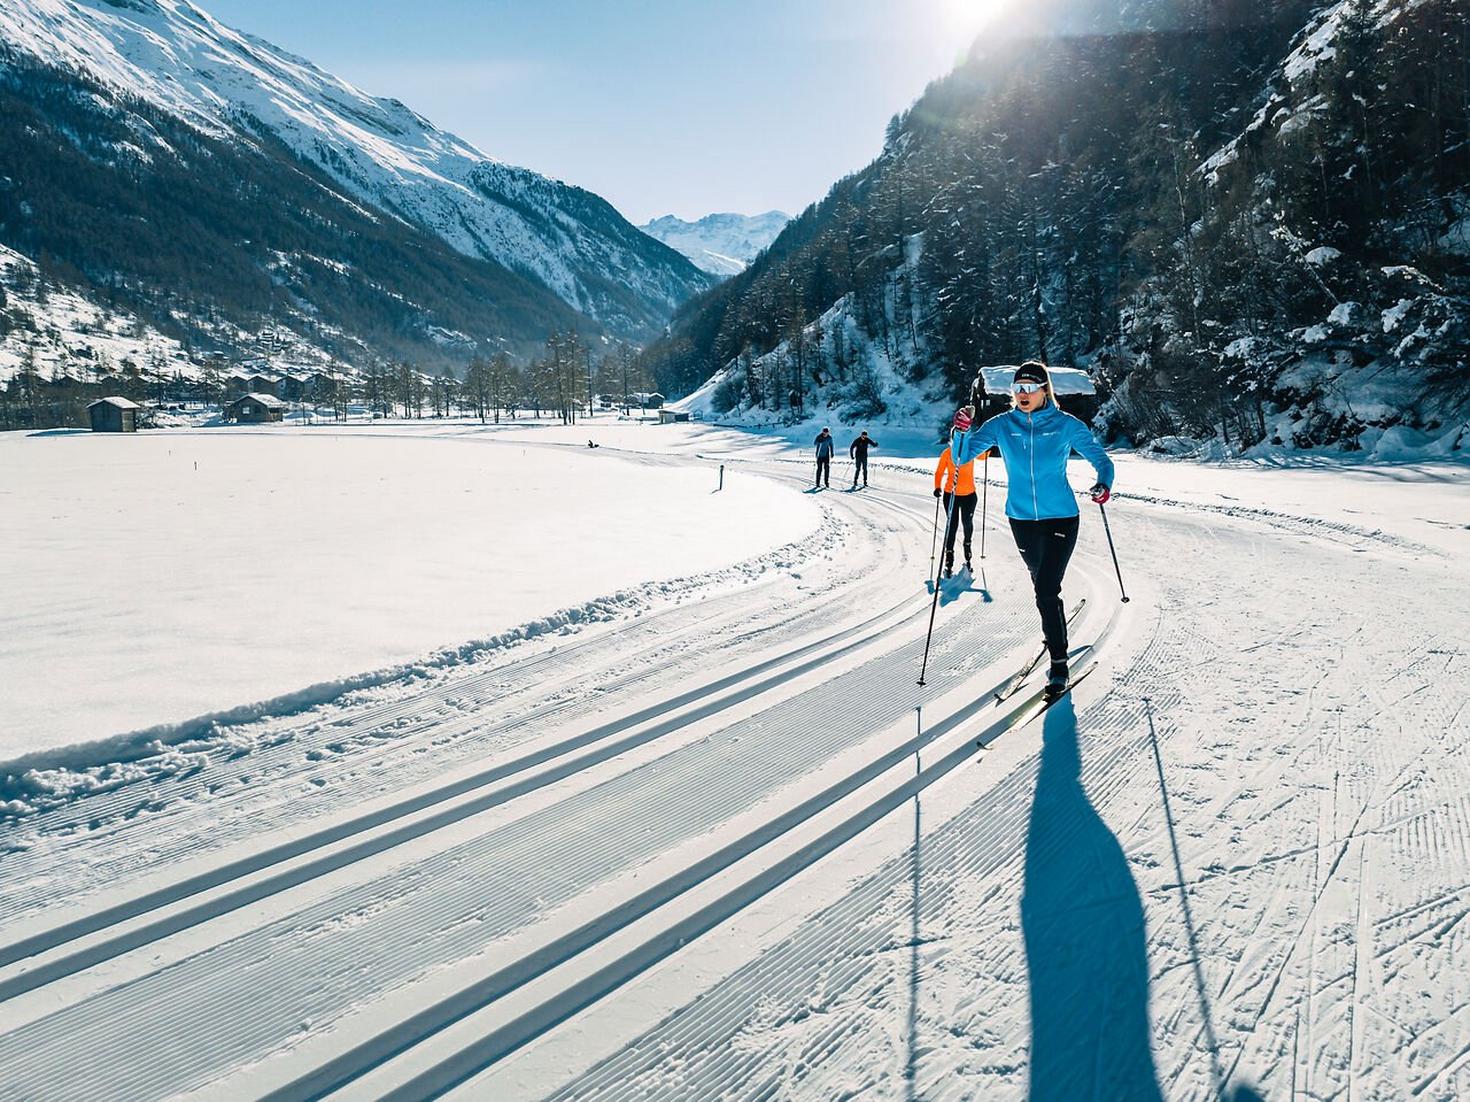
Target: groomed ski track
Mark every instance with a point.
(713, 851)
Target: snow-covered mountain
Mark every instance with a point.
(720, 243)
(1248, 221)
(171, 56)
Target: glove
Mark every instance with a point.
(938, 492)
(964, 419)
(1101, 494)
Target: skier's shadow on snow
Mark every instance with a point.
(1082, 921)
(952, 589)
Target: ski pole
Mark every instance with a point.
(934, 539)
(934, 604)
(1112, 550)
(984, 498)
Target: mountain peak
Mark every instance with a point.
(234, 86)
(722, 243)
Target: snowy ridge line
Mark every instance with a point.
(636, 730)
(60, 772)
(563, 1002)
(1333, 530)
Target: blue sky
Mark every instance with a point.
(660, 106)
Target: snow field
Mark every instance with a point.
(1232, 866)
(155, 578)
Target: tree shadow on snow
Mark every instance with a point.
(1082, 921)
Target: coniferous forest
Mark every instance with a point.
(1225, 210)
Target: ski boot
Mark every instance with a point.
(949, 566)
(1056, 680)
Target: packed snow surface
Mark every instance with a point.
(152, 578)
(727, 846)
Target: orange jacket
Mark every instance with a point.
(944, 474)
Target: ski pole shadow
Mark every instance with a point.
(1082, 923)
(911, 1068)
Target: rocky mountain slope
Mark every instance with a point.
(1248, 220)
(222, 179)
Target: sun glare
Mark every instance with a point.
(962, 20)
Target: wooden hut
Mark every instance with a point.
(1073, 387)
(114, 415)
(255, 409)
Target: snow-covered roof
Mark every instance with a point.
(268, 400)
(120, 403)
(1064, 380)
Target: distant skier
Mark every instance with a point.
(1035, 439)
(950, 481)
(826, 448)
(857, 451)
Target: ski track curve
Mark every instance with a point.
(255, 773)
(74, 1073)
(1319, 826)
(826, 1013)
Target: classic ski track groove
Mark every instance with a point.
(700, 1050)
(996, 653)
(769, 671)
(215, 968)
(94, 808)
(563, 1004)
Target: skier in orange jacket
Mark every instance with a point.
(961, 485)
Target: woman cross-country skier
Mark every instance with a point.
(959, 483)
(1035, 439)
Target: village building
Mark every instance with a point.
(1073, 387)
(255, 409)
(114, 414)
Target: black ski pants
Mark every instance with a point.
(824, 471)
(1047, 546)
(964, 513)
(860, 467)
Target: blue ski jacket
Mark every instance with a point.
(1036, 447)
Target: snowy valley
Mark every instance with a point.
(702, 834)
(512, 712)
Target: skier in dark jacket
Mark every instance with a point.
(1035, 439)
(857, 451)
(826, 447)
